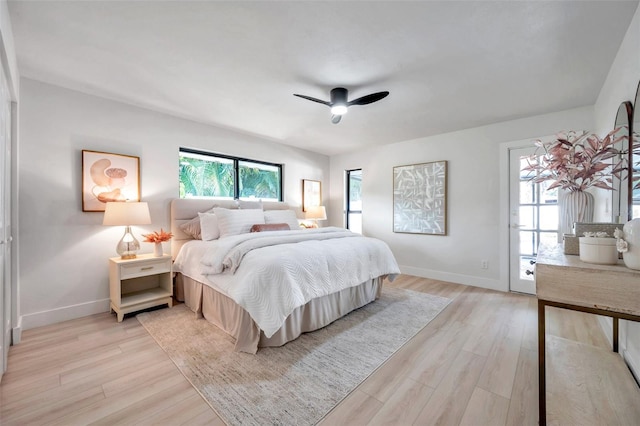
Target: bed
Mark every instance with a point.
(266, 288)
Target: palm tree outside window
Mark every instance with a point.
(204, 174)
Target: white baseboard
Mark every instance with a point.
(16, 335)
(454, 278)
(606, 324)
(66, 313)
(633, 364)
(631, 355)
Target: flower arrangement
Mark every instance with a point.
(577, 161)
(621, 245)
(157, 237)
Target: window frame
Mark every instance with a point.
(347, 209)
(236, 170)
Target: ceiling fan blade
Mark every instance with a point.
(374, 97)
(335, 119)
(309, 98)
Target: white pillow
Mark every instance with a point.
(192, 227)
(209, 229)
(234, 222)
(282, 216)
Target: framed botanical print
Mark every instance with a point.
(420, 198)
(108, 177)
(311, 193)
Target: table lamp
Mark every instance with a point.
(315, 213)
(127, 214)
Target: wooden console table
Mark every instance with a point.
(564, 281)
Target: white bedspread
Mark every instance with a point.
(229, 252)
(270, 274)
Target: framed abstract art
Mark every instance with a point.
(108, 177)
(420, 198)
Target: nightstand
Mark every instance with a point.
(139, 283)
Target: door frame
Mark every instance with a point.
(503, 230)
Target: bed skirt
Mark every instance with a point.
(226, 314)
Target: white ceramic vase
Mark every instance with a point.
(157, 249)
(631, 231)
(575, 206)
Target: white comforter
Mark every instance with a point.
(270, 274)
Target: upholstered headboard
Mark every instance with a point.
(185, 209)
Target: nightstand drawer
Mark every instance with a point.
(140, 269)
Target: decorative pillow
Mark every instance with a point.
(234, 222)
(249, 204)
(209, 226)
(270, 227)
(282, 216)
(192, 228)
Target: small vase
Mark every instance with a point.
(157, 249)
(632, 236)
(575, 206)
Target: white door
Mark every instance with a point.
(533, 217)
(5, 221)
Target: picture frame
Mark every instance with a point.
(420, 198)
(108, 177)
(311, 193)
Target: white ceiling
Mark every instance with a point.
(449, 65)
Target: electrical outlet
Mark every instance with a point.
(484, 264)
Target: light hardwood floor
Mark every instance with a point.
(474, 364)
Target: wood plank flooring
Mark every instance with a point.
(474, 364)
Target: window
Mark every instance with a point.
(353, 214)
(259, 180)
(538, 217)
(205, 174)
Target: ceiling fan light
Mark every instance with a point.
(339, 109)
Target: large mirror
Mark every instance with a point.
(634, 159)
(623, 124)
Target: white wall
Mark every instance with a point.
(621, 85)
(622, 80)
(63, 269)
(9, 61)
(473, 196)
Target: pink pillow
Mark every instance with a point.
(261, 227)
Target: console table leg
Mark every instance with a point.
(615, 334)
(542, 387)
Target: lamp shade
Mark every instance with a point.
(316, 213)
(122, 213)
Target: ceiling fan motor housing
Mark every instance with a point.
(339, 96)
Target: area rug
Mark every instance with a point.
(299, 383)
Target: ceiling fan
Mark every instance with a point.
(339, 103)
